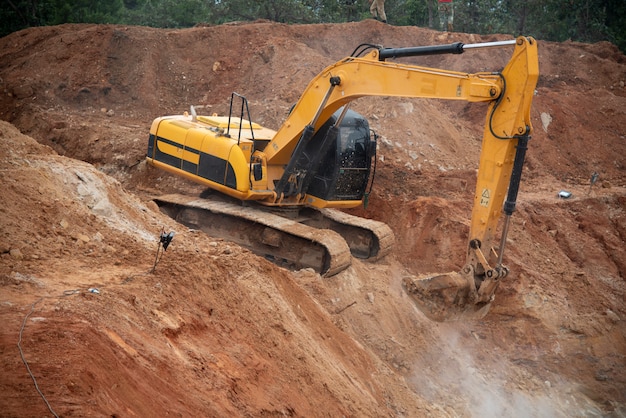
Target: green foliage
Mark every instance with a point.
(17, 15)
(556, 20)
(412, 12)
(282, 11)
(166, 13)
(55, 12)
(616, 22)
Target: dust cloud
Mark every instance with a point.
(482, 384)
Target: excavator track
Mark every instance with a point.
(367, 238)
(305, 241)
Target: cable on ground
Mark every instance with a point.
(19, 346)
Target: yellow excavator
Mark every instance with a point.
(279, 192)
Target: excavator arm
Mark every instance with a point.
(469, 293)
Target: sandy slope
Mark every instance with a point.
(217, 331)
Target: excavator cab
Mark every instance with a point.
(345, 168)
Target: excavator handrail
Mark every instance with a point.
(244, 104)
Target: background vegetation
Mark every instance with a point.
(553, 20)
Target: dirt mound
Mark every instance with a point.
(215, 330)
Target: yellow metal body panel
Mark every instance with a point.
(241, 166)
(182, 138)
(222, 122)
(249, 195)
(316, 202)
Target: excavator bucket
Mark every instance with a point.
(445, 297)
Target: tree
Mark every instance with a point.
(616, 22)
(166, 13)
(283, 11)
(55, 12)
(19, 14)
(555, 20)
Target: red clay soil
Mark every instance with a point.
(216, 331)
